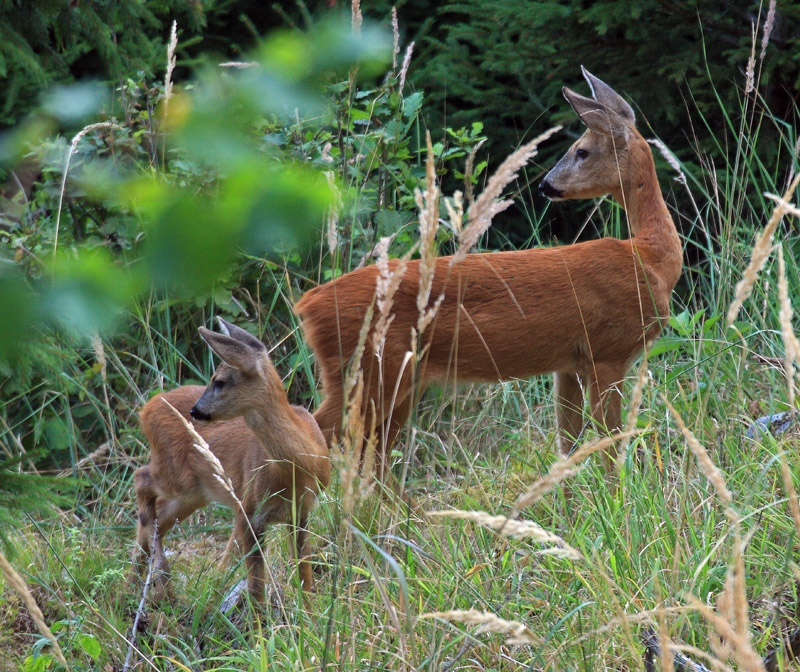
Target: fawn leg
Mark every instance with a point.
(249, 534)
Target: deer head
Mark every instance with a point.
(244, 379)
(597, 162)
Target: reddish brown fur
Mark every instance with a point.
(583, 311)
(275, 456)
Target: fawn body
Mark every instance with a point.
(582, 311)
(273, 453)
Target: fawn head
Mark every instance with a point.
(244, 379)
(594, 164)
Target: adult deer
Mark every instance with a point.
(273, 454)
(582, 311)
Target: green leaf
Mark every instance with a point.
(90, 646)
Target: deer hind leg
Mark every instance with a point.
(300, 537)
(329, 414)
(149, 531)
(569, 409)
(605, 396)
(146, 497)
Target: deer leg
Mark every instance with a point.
(329, 414)
(569, 409)
(230, 548)
(168, 512)
(249, 534)
(300, 536)
(389, 429)
(605, 396)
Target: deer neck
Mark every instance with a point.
(274, 423)
(648, 218)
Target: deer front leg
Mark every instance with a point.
(569, 409)
(605, 396)
(249, 535)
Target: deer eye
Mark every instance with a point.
(581, 154)
(219, 384)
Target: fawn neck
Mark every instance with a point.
(275, 424)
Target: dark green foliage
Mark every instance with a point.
(160, 233)
(22, 492)
(504, 62)
(45, 41)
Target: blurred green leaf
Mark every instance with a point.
(19, 306)
(86, 293)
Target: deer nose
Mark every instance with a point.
(547, 189)
(197, 414)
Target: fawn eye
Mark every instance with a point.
(219, 384)
(581, 154)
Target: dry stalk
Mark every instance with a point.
(667, 657)
(239, 65)
(202, 447)
(742, 649)
(791, 346)
(333, 213)
(468, 170)
(768, 25)
(72, 149)
(722, 647)
(486, 205)
(566, 467)
(761, 251)
(350, 457)
(455, 211)
(740, 607)
(354, 370)
(356, 17)
(488, 622)
(171, 60)
(517, 529)
(396, 40)
(387, 284)
(707, 466)
(428, 205)
(749, 77)
(791, 495)
(714, 663)
(18, 584)
(787, 207)
(404, 67)
(636, 403)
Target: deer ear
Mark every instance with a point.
(230, 350)
(605, 95)
(596, 116)
(240, 334)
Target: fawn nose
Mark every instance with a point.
(197, 414)
(547, 189)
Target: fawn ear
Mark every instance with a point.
(596, 116)
(240, 334)
(231, 351)
(605, 95)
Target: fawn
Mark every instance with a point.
(582, 311)
(273, 454)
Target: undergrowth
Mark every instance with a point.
(685, 543)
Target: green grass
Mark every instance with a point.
(651, 538)
(648, 539)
